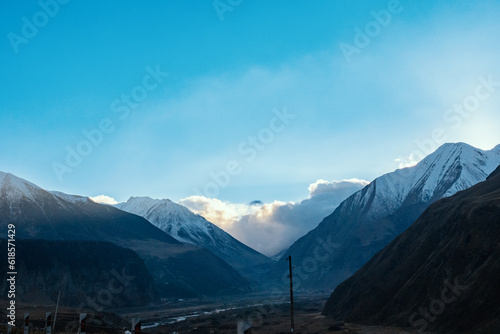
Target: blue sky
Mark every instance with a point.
(353, 117)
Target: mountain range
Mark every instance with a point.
(372, 217)
(185, 226)
(175, 266)
(440, 275)
(180, 254)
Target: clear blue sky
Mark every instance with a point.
(353, 117)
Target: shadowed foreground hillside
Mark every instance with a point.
(111, 276)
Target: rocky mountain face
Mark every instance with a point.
(372, 217)
(185, 226)
(440, 275)
(175, 267)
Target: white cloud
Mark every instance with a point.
(410, 161)
(273, 227)
(222, 214)
(322, 186)
(103, 199)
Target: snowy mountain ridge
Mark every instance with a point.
(175, 219)
(185, 226)
(14, 187)
(451, 168)
(75, 199)
(54, 216)
(372, 217)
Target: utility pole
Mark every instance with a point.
(57, 308)
(291, 292)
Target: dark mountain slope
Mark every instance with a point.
(439, 275)
(372, 217)
(111, 276)
(38, 214)
(182, 224)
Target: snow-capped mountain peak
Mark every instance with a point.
(175, 219)
(139, 205)
(142, 205)
(75, 199)
(14, 187)
(185, 226)
(451, 168)
(454, 167)
(376, 214)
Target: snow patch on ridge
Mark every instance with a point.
(451, 168)
(173, 218)
(14, 187)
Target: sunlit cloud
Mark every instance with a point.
(103, 199)
(222, 214)
(321, 186)
(272, 227)
(410, 161)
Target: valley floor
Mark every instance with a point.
(214, 317)
(217, 318)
